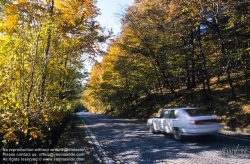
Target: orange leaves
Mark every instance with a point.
(10, 136)
(25, 131)
(22, 1)
(33, 134)
(11, 18)
(73, 13)
(11, 21)
(36, 134)
(24, 125)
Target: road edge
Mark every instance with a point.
(99, 153)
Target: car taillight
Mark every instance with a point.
(200, 122)
(197, 122)
(218, 120)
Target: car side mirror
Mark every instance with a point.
(157, 116)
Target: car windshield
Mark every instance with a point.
(195, 112)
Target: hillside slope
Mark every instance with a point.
(234, 113)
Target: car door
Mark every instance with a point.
(172, 120)
(166, 120)
(160, 121)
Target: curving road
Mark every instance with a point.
(128, 141)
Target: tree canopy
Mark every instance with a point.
(43, 45)
(167, 44)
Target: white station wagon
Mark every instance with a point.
(184, 121)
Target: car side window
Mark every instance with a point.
(166, 114)
(172, 114)
(162, 114)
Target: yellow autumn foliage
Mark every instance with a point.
(40, 61)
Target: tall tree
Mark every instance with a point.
(41, 53)
(148, 32)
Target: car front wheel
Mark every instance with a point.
(177, 134)
(151, 128)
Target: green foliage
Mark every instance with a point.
(41, 70)
(165, 45)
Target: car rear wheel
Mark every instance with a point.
(177, 134)
(151, 129)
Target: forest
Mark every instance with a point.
(168, 53)
(44, 44)
(176, 53)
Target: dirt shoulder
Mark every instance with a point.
(75, 137)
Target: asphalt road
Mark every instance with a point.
(127, 141)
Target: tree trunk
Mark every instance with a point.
(246, 83)
(188, 81)
(165, 78)
(204, 88)
(32, 72)
(208, 93)
(193, 84)
(46, 57)
(216, 27)
(159, 85)
(230, 83)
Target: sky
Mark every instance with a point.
(109, 19)
(109, 10)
